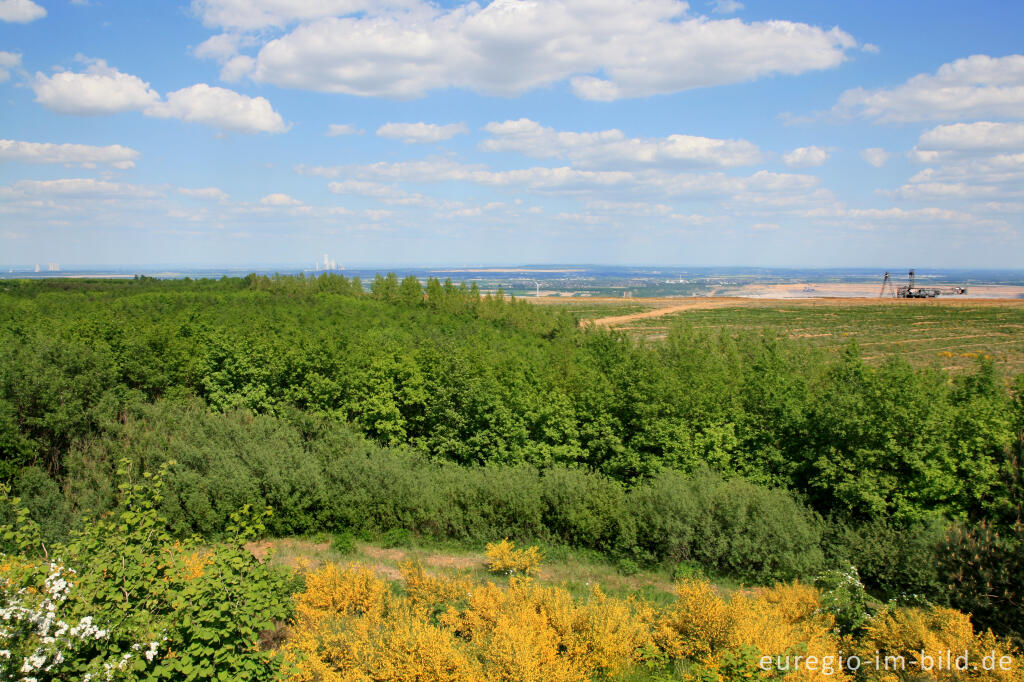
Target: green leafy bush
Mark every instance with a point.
(151, 606)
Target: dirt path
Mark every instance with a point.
(685, 304)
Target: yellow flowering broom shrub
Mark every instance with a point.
(927, 643)
(503, 557)
(701, 626)
(350, 624)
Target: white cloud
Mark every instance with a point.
(806, 156)
(612, 147)
(224, 48)
(507, 47)
(876, 156)
(987, 177)
(635, 208)
(237, 68)
(421, 132)
(249, 15)
(81, 187)
(335, 129)
(101, 89)
(220, 108)
(970, 138)
(221, 47)
(726, 6)
(70, 154)
(278, 199)
(870, 48)
(20, 11)
(391, 194)
(770, 227)
(982, 161)
(572, 181)
(8, 61)
(208, 193)
(918, 214)
(974, 87)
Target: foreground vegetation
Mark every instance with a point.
(442, 414)
(124, 600)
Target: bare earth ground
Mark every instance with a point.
(860, 290)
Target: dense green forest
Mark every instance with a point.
(454, 415)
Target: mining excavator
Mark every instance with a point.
(911, 290)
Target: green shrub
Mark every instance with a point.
(628, 567)
(894, 562)
(730, 527)
(687, 570)
(396, 537)
(344, 543)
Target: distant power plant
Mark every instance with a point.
(326, 265)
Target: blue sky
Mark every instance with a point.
(245, 132)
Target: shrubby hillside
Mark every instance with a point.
(461, 416)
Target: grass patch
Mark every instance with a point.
(575, 570)
(949, 334)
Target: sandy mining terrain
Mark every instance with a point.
(844, 290)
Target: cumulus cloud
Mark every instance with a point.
(69, 154)
(974, 87)
(207, 193)
(8, 61)
(20, 11)
(607, 49)
(220, 108)
(969, 139)
(279, 199)
(806, 156)
(224, 48)
(80, 187)
(221, 47)
(612, 147)
(876, 156)
(726, 6)
(903, 215)
(390, 194)
(981, 161)
(102, 89)
(987, 177)
(250, 15)
(421, 132)
(335, 129)
(573, 181)
(634, 208)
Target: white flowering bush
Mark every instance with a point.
(40, 639)
(126, 601)
(843, 595)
